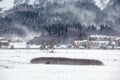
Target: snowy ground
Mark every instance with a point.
(15, 64)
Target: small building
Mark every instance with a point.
(33, 46)
(4, 43)
(18, 44)
(99, 44)
(60, 46)
(102, 41)
(117, 42)
(101, 38)
(80, 43)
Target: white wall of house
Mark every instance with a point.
(60, 46)
(33, 46)
(17, 45)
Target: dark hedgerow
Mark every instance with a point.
(65, 61)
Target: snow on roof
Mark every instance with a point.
(102, 41)
(4, 41)
(117, 38)
(17, 40)
(2, 38)
(99, 36)
(105, 36)
(80, 40)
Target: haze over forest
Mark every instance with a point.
(59, 18)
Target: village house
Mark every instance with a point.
(99, 42)
(102, 41)
(117, 40)
(80, 43)
(17, 44)
(33, 46)
(60, 46)
(4, 43)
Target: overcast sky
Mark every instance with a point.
(7, 4)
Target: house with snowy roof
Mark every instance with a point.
(17, 44)
(4, 43)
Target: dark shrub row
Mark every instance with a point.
(65, 61)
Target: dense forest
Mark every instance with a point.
(60, 20)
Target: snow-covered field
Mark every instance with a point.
(15, 65)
